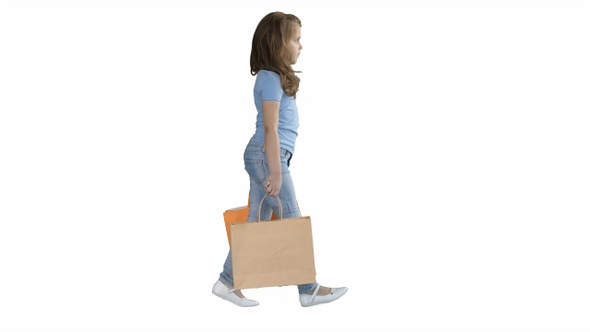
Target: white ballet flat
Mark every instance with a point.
(307, 300)
(224, 292)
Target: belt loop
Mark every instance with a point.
(264, 148)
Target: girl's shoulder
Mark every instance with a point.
(268, 83)
(266, 73)
(267, 76)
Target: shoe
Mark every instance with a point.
(307, 300)
(224, 292)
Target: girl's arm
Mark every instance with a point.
(270, 113)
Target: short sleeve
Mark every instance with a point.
(269, 85)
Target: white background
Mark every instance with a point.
(443, 157)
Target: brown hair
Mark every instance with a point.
(269, 50)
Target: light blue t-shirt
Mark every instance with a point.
(268, 87)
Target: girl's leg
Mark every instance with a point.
(254, 163)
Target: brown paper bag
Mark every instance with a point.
(272, 253)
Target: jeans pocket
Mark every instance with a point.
(256, 170)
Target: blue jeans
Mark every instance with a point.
(256, 165)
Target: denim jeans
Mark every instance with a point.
(256, 165)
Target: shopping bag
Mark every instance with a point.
(237, 214)
(272, 253)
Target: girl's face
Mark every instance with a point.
(294, 44)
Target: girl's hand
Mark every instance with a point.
(273, 185)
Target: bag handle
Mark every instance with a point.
(260, 207)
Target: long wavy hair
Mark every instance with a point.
(269, 50)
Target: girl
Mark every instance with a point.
(275, 47)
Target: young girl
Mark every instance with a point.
(275, 47)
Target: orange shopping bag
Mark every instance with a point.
(238, 214)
